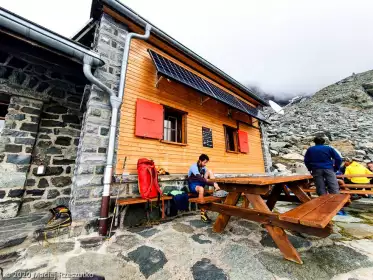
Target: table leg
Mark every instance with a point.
(245, 203)
(274, 196)
(297, 190)
(278, 235)
(222, 220)
(286, 190)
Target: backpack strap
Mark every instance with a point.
(151, 182)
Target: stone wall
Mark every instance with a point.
(127, 186)
(16, 144)
(45, 92)
(265, 148)
(56, 149)
(91, 159)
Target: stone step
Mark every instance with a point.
(27, 219)
(16, 230)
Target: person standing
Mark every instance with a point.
(323, 161)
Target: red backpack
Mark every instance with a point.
(148, 179)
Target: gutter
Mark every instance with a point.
(116, 102)
(46, 37)
(122, 9)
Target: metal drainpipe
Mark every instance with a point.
(116, 102)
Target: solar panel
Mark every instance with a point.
(174, 71)
(253, 111)
(225, 97)
(178, 73)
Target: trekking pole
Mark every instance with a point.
(116, 207)
(115, 211)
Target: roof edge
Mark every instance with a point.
(27, 29)
(122, 9)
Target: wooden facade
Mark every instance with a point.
(176, 158)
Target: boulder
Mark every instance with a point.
(293, 156)
(280, 166)
(278, 145)
(273, 152)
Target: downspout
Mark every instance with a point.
(10, 21)
(116, 102)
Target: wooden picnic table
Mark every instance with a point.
(355, 176)
(352, 189)
(311, 217)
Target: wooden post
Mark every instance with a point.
(222, 220)
(274, 196)
(278, 235)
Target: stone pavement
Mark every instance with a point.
(186, 248)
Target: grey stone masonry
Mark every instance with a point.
(42, 126)
(16, 143)
(127, 186)
(265, 148)
(91, 158)
(55, 149)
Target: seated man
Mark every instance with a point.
(198, 178)
(354, 168)
(370, 168)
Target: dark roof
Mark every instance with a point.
(96, 11)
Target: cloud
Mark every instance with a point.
(286, 47)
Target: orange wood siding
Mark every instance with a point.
(140, 83)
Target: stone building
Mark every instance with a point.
(66, 137)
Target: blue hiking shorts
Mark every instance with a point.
(193, 185)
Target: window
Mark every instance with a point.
(236, 140)
(231, 143)
(243, 141)
(4, 103)
(160, 122)
(174, 125)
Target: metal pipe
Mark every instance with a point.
(87, 70)
(27, 29)
(116, 5)
(16, 24)
(116, 102)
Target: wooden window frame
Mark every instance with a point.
(184, 115)
(235, 139)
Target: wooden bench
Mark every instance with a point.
(317, 212)
(138, 200)
(357, 186)
(343, 191)
(206, 200)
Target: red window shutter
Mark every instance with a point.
(149, 119)
(243, 141)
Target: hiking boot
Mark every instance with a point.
(220, 193)
(60, 222)
(205, 218)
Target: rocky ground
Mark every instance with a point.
(342, 113)
(186, 248)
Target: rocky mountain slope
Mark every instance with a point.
(341, 112)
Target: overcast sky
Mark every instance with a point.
(282, 46)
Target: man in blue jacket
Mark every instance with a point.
(323, 161)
